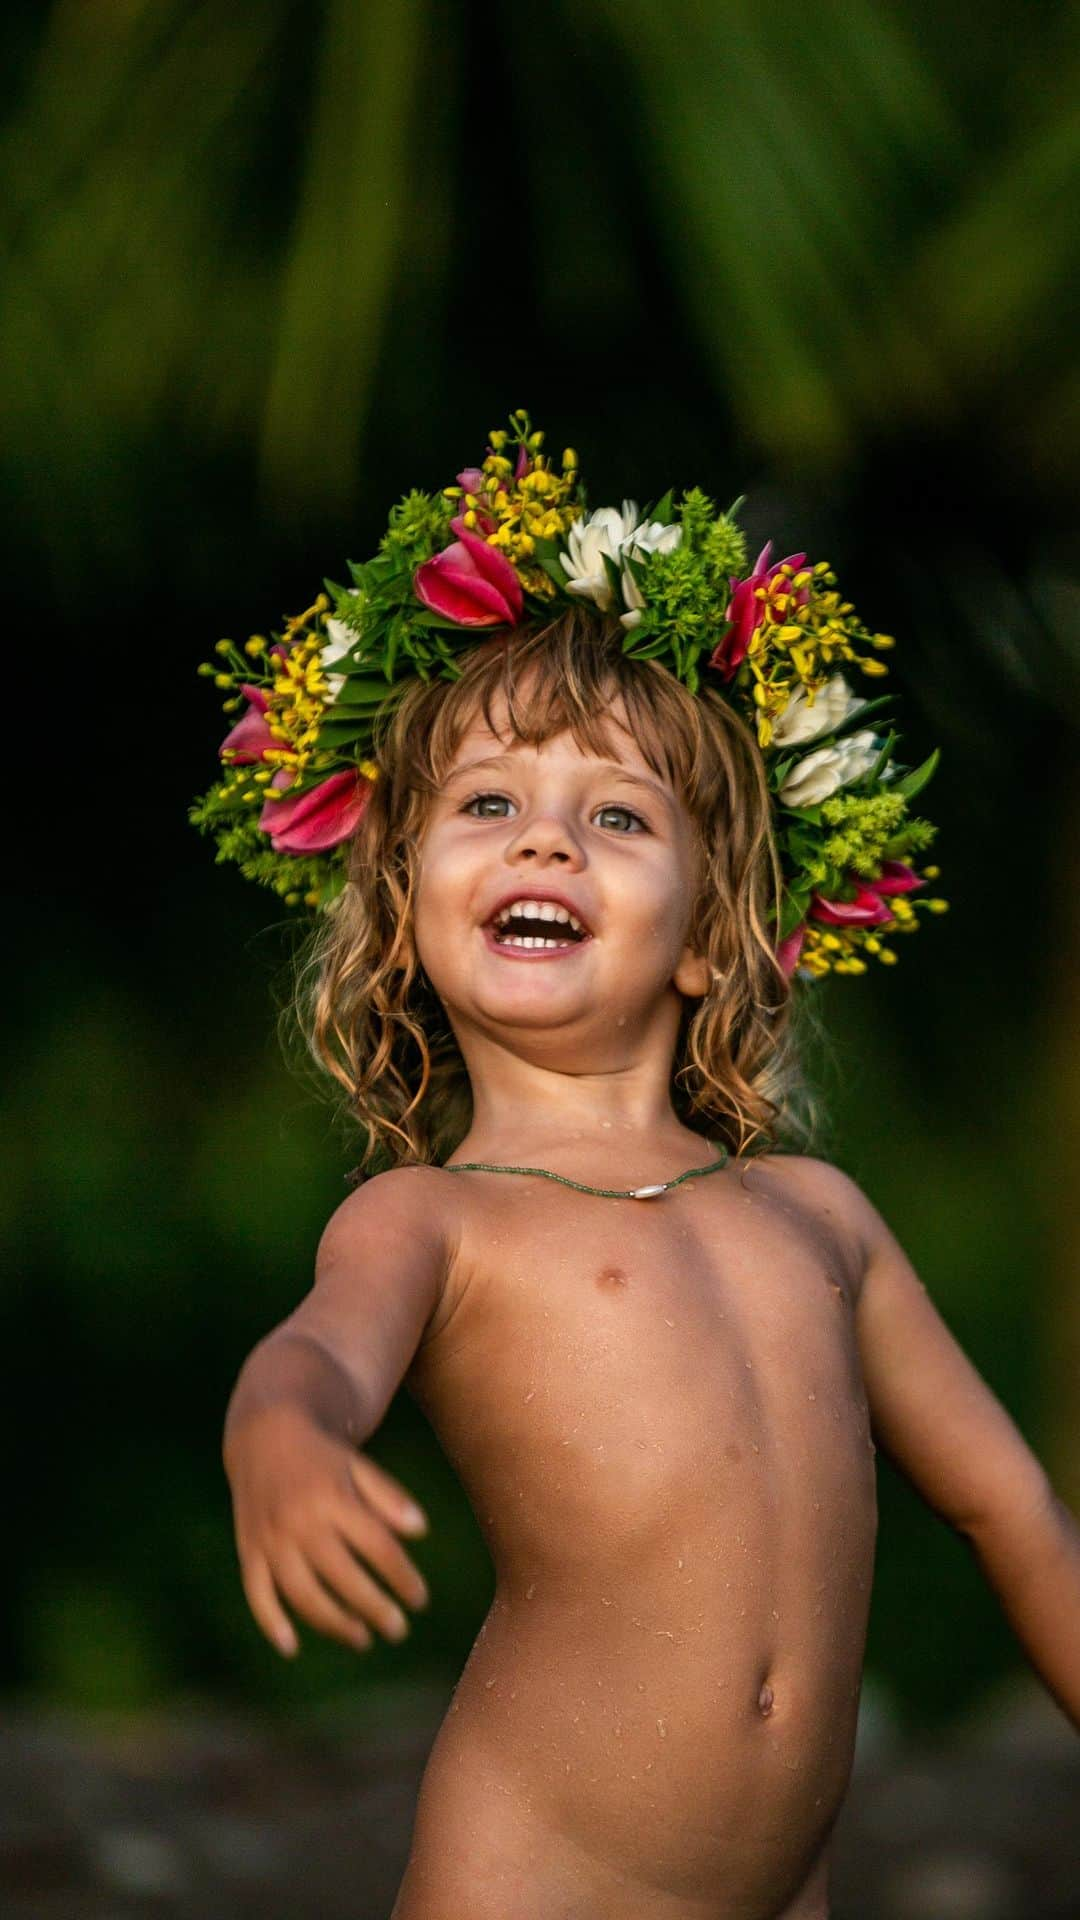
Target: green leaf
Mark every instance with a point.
(425, 617)
(793, 910)
(648, 652)
(550, 564)
(340, 734)
(856, 720)
(811, 814)
(779, 770)
(358, 694)
(913, 782)
(664, 510)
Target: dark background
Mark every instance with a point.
(269, 266)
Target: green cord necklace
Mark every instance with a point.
(605, 1193)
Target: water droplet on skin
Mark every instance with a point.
(811, 1396)
(667, 1322)
(487, 1684)
(678, 1563)
(604, 1601)
(513, 1696)
(621, 1021)
(605, 1123)
(641, 1686)
(775, 1615)
(530, 1590)
(529, 1395)
(661, 1728)
(749, 1363)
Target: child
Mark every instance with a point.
(655, 1358)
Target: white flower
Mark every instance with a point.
(342, 639)
(604, 532)
(651, 537)
(800, 721)
(818, 774)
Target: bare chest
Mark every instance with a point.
(601, 1363)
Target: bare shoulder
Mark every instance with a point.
(834, 1197)
(417, 1202)
(381, 1278)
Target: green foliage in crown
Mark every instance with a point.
(504, 545)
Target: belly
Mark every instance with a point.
(678, 1738)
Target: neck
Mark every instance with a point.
(525, 1110)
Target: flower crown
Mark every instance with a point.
(508, 543)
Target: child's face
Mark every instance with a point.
(555, 820)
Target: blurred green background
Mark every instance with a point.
(267, 267)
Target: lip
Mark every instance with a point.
(532, 953)
(539, 893)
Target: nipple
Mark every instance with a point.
(765, 1698)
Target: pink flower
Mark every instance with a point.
(251, 736)
(868, 909)
(896, 877)
(320, 818)
(747, 613)
(789, 950)
(470, 583)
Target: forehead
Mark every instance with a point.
(479, 741)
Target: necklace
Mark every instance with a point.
(605, 1193)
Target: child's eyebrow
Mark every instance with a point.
(611, 767)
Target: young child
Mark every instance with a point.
(658, 1360)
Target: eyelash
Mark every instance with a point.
(614, 806)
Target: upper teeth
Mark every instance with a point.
(536, 910)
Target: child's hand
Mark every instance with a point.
(305, 1505)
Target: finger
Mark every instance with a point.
(367, 1536)
(387, 1495)
(264, 1603)
(311, 1600)
(336, 1565)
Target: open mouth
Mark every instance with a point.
(531, 927)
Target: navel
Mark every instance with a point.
(611, 1277)
(765, 1699)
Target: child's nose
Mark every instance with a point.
(547, 837)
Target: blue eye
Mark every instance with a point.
(470, 804)
(628, 811)
(483, 814)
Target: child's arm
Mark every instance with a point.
(937, 1419)
(306, 1503)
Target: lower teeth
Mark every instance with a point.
(527, 940)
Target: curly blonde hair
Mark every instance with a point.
(367, 1011)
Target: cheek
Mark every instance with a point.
(446, 880)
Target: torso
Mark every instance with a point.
(656, 1411)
